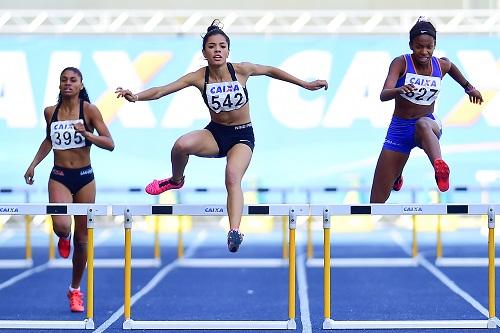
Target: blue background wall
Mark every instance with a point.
(303, 138)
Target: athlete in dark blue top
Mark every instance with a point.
(414, 82)
(230, 133)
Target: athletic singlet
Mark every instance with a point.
(62, 133)
(427, 87)
(224, 96)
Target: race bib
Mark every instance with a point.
(64, 136)
(427, 88)
(225, 96)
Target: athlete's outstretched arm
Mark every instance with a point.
(450, 68)
(276, 73)
(157, 92)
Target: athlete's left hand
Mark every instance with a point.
(315, 85)
(475, 96)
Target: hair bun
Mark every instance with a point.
(216, 24)
(423, 19)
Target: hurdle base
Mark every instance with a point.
(108, 263)
(230, 263)
(492, 322)
(131, 324)
(87, 324)
(16, 263)
(364, 262)
(463, 262)
(405, 324)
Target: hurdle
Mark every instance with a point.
(292, 211)
(27, 262)
(90, 210)
(282, 191)
(153, 262)
(461, 261)
(360, 262)
(390, 209)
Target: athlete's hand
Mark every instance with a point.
(125, 93)
(28, 175)
(474, 96)
(406, 88)
(80, 128)
(315, 85)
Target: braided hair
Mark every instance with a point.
(422, 27)
(83, 92)
(215, 29)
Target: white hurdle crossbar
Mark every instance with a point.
(292, 211)
(412, 209)
(90, 210)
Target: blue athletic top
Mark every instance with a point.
(427, 87)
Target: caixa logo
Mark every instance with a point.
(214, 210)
(412, 209)
(9, 210)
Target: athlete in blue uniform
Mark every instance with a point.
(230, 132)
(70, 127)
(414, 82)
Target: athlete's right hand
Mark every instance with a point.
(125, 93)
(406, 88)
(28, 176)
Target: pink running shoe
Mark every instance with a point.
(442, 174)
(64, 247)
(159, 186)
(398, 183)
(75, 300)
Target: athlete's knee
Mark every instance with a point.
(180, 146)
(233, 178)
(423, 125)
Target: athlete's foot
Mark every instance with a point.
(64, 246)
(234, 239)
(398, 183)
(75, 300)
(159, 186)
(442, 174)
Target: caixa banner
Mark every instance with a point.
(337, 133)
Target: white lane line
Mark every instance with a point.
(23, 275)
(151, 284)
(305, 316)
(442, 277)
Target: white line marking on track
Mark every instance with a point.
(441, 276)
(23, 275)
(305, 316)
(151, 284)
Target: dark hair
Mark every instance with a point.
(215, 29)
(422, 27)
(83, 92)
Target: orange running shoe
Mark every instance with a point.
(75, 300)
(64, 246)
(442, 174)
(398, 183)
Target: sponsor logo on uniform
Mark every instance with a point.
(86, 172)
